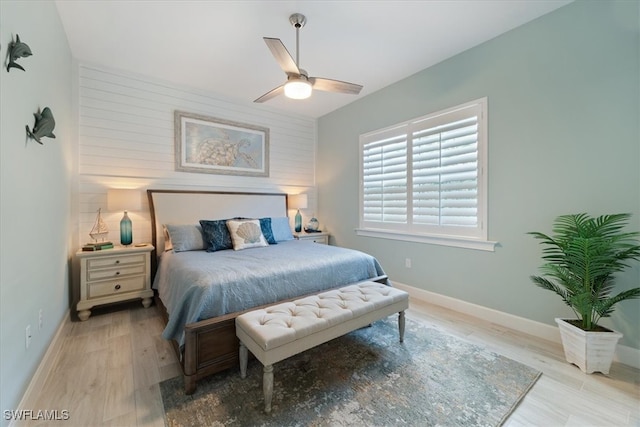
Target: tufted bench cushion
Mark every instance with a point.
(280, 331)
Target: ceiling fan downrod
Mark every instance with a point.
(298, 20)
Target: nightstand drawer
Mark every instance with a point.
(321, 239)
(114, 261)
(113, 287)
(112, 273)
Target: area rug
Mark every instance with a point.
(365, 378)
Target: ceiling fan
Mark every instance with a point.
(299, 85)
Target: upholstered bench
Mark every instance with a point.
(280, 331)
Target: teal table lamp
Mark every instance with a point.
(120, 199)
(298, 201)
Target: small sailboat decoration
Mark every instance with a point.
(100, 229)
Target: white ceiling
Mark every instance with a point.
(217, 46)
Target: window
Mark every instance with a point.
(424, 180)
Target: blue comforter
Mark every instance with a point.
(199, 285)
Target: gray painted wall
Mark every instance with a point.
(35, 193)
(563, 94)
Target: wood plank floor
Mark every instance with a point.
(109, 369)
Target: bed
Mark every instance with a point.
(200, 291)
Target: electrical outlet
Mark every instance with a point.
(407, 262)
(27, 336)
(40, 320)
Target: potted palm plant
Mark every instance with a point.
(581, 259)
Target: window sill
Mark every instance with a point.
(454, 241)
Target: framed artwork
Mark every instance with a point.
(209, 145)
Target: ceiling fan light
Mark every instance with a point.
(297, 89)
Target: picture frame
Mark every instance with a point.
(205, 144)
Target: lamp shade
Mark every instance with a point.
(297, 88)
(298, 201)
(120, 199)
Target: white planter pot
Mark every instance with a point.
(590, 351)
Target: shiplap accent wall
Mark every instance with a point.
(126, 140)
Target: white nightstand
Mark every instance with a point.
(320, 237)
(114, 275)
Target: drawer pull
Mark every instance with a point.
(117, 273)
(117, 287)
(117, 261)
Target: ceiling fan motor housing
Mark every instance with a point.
(298, 20)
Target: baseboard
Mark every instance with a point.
(624, 354)
(627, 355)
(46, 365)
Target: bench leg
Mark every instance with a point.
(267, 387)
(401, 325)
(244, 357)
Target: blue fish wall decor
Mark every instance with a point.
(17, 49)
(44, 125)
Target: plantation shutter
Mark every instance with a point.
(384, 178)
(425, 176)
(445, 170)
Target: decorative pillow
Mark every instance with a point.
(281, 229)
(267, 232)
(265, 227)
(216, 235)
(246, 234)
(185, 237)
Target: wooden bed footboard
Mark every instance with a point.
(211, 345)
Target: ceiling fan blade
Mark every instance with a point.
(331, 85)
(271, 94)
(282, 56)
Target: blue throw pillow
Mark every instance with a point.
(185, 237)
(267, 232)
(281, 229)
(216, 235)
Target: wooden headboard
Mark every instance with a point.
(189, 207)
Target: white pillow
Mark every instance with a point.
(281, 229)
(185, 237)
(246, 234)
(167, 239)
